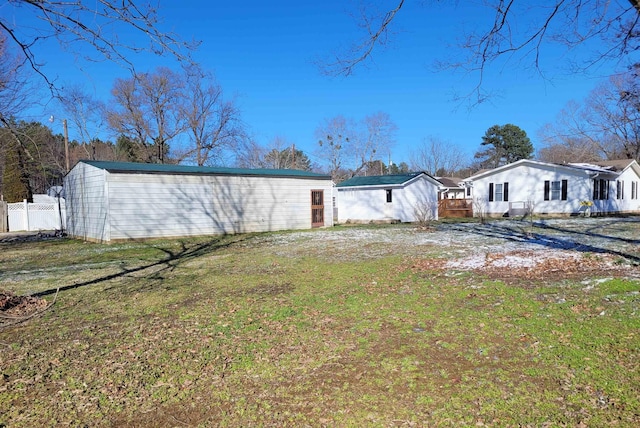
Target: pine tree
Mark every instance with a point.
(507, 144)
(15, 178)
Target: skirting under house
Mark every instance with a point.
(110, 201)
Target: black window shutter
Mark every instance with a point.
(546, 190)
(603, 189)
(564, 190)
(505, 190)
(596, 194)
(490, 192)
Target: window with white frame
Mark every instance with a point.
(389, 193)
(556, 190)
(619, 189)
(634, 190)
(498, 192)
(600, 189)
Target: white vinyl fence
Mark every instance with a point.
(24, 216)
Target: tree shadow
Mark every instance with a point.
(168, 263)
(559, 238)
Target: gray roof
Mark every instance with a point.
(616, 165)
(450, 182)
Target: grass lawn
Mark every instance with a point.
(287, 329)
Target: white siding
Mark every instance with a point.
(86, 203)
(527, 184)
(624, 203)
(414, 193)
(363, 204)
(107, 206)
(177, 205)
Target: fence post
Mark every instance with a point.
(59, 214)
(4, 217)
(26, 215)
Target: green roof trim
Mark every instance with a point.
(380, 180)
(157, 168)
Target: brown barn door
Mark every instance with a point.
(317, 208)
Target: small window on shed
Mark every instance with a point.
(389, 195)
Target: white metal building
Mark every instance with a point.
(387, 197)
(109, 201)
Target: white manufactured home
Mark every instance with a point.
(111, 201)
(553, 189)
(388, 198)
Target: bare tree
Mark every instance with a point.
(377, 28)
(613, 115)
(213, 123)
(86, 114)
(352, 147)
(561, 145)
(438, 157)
(378, 134)
(16, 94)
(147, 108)
(89, 30)
(606, 123)
(335, 137)
(569, 150)
(15, 90)
(519, 32)
(249, 154)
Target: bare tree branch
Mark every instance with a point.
(81, 24)
(520, 32)
(376, 35)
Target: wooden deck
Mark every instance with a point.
(455, 208)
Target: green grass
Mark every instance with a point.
(225, 332)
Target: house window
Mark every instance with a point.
(498, 192)
(556, 190)
(634, 190)
(468, 192)
(389, 195)
(600, 189)
(619, 189)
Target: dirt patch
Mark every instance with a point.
(531, 265)
(17, 237)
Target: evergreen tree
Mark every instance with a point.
(505, 144)
(15, 178)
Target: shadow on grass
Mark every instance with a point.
(171, 260)
(559, 238)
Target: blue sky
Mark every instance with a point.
(263, 53)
